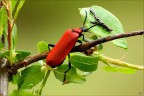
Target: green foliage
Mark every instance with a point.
(109, 19)
(14, 35)
(20, 4)
(1, 45)
(10, 43)
(42, 46)
(13, 5)
(15, 78)
(71, 77)
(16, 5)
(5, 54)
(30, 76)
(84, 63)
(119, 69)
(3, 21)
(21, 93)
(17, 55)
(21, 54)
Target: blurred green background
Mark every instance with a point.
(46, 20)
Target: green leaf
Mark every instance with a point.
(14, 35)
(127, 70)
(71, 76)
(21, 93)
(15, 78)
(13, 5)
(110, 69)
(20, 4)
(121, 70)
(30, 76)
(3, 21)
(84, 63)
(5, 54)
(17, 55)
(1, 30)
(42, 46)
(99, 47)
(21, 54)
(109, 19)
(1, 45)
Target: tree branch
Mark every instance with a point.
(81, 48)
(88, 45)
(27, 61)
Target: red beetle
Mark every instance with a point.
(63, 47)
(57, 55)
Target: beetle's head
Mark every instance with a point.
(84, 29)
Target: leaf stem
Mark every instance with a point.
(44, 82)
(118, 62)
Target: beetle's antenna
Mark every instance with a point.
(85, 19)
(83, 28)
(90, 27)
(86, 29)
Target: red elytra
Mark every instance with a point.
(56, 56)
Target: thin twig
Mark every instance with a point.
(118, 62)
(44, 82)
(81, 48)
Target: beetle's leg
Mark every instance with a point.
(82, 37)
(99, 22)
(50, 45)
(69, 67)
(79, 41)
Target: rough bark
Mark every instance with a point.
(3, 77)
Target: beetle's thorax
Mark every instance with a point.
(77, 30)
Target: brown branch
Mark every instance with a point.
(81, 48)
(88, 45)
(27, 61)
